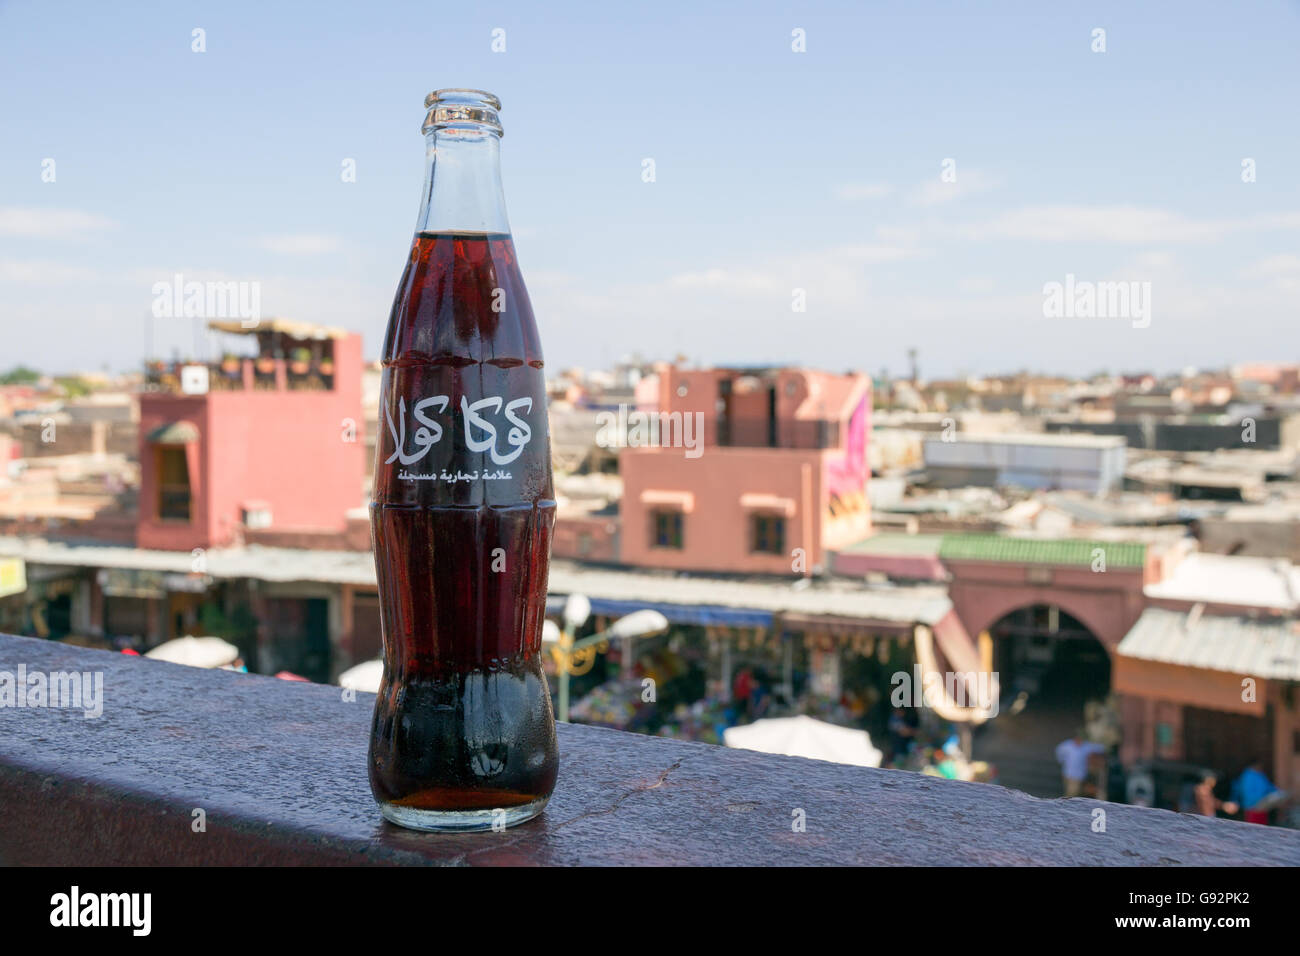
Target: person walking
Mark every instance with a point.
(1250, 789)
(1207, 804)
(741, 689)
(1072, 755)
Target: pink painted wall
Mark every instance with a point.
(1108, 603)
(912, 567)
(1152, 691)
(285, 448)
(586, 537)
(701, 396)
(157, 410)
(1191, 686)
(716, 531)
(801, 395)
(845, 508)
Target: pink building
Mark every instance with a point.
(751, 471)
(268, 444)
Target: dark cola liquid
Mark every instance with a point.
(461, 521)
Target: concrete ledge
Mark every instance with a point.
(279, 770)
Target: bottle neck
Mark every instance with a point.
(462, 182)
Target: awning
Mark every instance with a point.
(1190, 686)
(804, 736)
(365, 676)
(701, 615)
(290, 327)
(13, 576)
(840, 626)
(682, 500)
(1256, 647)
(984, 695)
(760, 502)
(1199, 659)
(127, 582)
(960, 652)
(208, 652)
(175, 433)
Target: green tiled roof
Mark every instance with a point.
(1060, 551)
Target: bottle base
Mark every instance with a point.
(461, 821)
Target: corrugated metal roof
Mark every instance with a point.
(1061, 551)
(1262, 648)
(1040, 440)
(1231, 579)
(925, 604)
(260, 563)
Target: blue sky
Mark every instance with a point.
(775, 171)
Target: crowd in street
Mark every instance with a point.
(1252, 795)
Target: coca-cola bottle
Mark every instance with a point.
(463, 736)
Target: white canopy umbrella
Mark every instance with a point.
(191, 651)
(639, 624)
(365, 676)
(805, 736)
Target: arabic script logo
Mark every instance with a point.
(480, 431)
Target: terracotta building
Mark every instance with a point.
(744, 470)
(272, 443)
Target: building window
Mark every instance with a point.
(173, 483)
(666, 529)
(767, 534)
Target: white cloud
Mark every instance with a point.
(1073, 223)
(728, 311)
(976, 285)
(1094, 223)
(1277, 220)
(835, 273)
(1155, 259)
(900, 235)
(305, 244)
(1282, 265)
(32, 223)
(44, 271)
(967, 182)
(853, 192)
(869, 253)
(729, 281)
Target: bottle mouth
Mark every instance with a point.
(470, 110)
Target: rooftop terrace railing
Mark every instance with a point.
(244, 374)
(188, 766)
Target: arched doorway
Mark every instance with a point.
(1049, 665)
(1050, 656)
